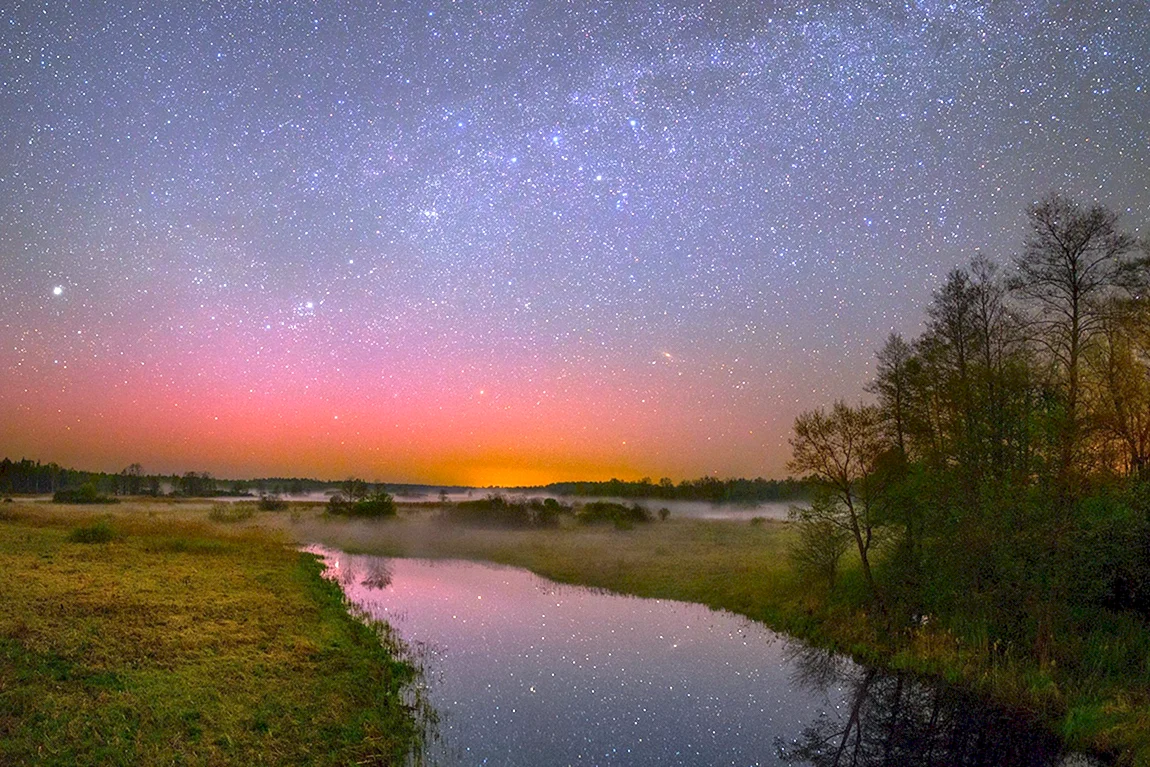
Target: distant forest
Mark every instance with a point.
(707, 489)
(27, 476)
(34, 477)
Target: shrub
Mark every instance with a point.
(548, 511)
(84, 494)
(617, 513)
(373, 506)
(820, 544)
(98, 532)
(498, 511)
(664, 513)
(272, 503)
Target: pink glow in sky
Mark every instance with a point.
(496, 243)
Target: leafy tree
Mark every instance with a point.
(822, 540)
(1074, 261)
(841, 451)
(892, 385)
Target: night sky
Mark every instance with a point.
(514, 242)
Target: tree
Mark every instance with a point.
(1120, 367)
(355, 488)
(822, 539)
(892, 386)
(1073, 261)
(133, 479)
(841, 451)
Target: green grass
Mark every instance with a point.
(172, 643)
(258, 615)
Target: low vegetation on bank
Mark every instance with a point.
(747, 567)
(148, 636)
(1097, 703)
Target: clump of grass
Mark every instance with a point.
(758, 521)
(230, 512)
(97, 532)
(182, 545)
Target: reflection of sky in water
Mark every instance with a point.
(524, 671)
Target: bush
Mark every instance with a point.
(85, 494)
(548, 511)
(498, 511)
(99, 532)
(372, 506)
(272, 503)
(664, 513)
(820, 543)
(605, 511)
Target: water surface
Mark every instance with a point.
(524, 671)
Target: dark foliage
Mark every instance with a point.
(272, 503)
(708, 489)
(499, 511)
(1002, 471)
(598, 512)
(82, 494)
(373, 505)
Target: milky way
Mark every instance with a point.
(514, 242)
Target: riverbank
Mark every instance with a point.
(744, 568)
(737, 566)
(148, 636)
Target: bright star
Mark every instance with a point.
(58, 290)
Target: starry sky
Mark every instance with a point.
(514, 242)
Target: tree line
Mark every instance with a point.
(708, 489)
(36, 478)
(1000, 482)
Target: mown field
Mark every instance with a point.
(149, 635)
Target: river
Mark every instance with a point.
(520, 670)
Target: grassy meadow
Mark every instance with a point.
(196, 631)
(152, 635)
